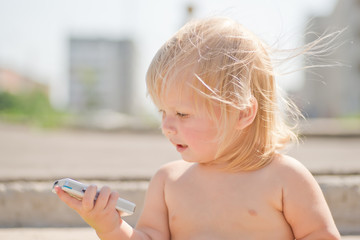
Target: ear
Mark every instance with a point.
(247, 116)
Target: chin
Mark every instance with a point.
(192, 160)
(189, 160)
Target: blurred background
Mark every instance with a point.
(88, 59)
(72, 93)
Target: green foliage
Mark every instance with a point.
(30, 108)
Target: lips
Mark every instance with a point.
(181, 147)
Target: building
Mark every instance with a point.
(100, 74)
(334, 91)
(16, 83)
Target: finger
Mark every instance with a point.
(112, 200)
(69, 200)
(89, 198)
(103, 198)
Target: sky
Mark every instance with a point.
(34, 33)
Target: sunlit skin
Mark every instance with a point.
(215, 88)
(190, 130)
(190, 199)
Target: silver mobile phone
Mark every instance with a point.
(77, 189)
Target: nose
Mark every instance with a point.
(168, 126)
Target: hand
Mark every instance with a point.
(100, 215)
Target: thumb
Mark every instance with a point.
(69, 200)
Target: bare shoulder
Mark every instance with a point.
(292, 176)
(286, 161)
(289, 169)
(172, 170)
(295, 178)
(169, 171)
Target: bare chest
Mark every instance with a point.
(226, 207)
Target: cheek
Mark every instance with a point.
(201, 132)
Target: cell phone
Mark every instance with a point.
(77, 189)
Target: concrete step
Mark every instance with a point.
(69, 234)
(32, 204)
(342, 194)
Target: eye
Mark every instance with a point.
(162, 112)
(182, 115)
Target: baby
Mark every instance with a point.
(214, 85)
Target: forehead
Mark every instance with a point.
(190, 100)
(178, 96)
(175, 85)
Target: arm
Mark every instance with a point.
(304, 205)
(106, 220)
(154, 218)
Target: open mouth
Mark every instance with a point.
(181, 147)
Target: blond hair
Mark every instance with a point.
(227, 65)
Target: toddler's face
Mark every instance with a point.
(191, 131)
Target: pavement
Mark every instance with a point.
(31, 159)
(36, 155)
(48, 233)
(68, 234)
